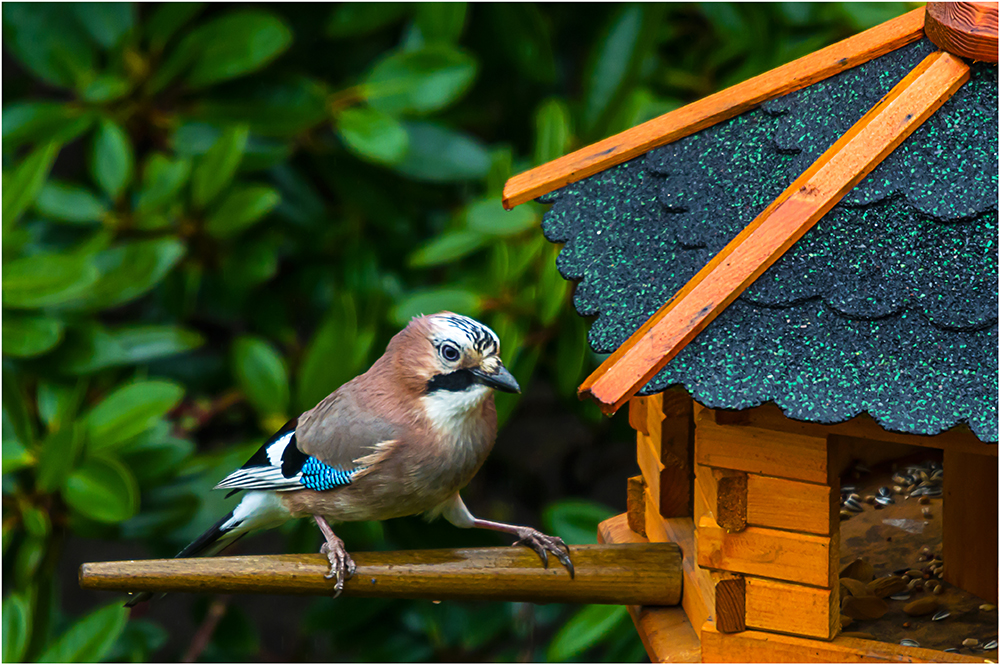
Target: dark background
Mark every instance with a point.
(213, 215)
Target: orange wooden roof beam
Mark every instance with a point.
(713, 109)
(766, 238)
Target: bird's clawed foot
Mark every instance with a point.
(543, 544)
(341, 564)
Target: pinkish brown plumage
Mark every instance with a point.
(401, 439)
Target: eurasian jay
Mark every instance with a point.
(401, 439)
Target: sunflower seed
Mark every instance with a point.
(884, 500)
(909, 643)
(851, 504)
(951, 650)
(941, 615)
(847, 489)
(990, 646)
(900, 596)
(970, 642)
(884, 491)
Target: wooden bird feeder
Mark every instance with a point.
(796, 279)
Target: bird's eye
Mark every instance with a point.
(449, 352)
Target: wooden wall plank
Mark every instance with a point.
(792, 608)
(715, 108)
(636, 502)
(756, 248)
(637, 414)
(698, 591)
(651, 466)
(780, 503)
(762, 452)
(783, 555)
(670, 428)
(970, 523)
(752, 646)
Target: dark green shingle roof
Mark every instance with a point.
(887, 306)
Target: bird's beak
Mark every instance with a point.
(500, 379)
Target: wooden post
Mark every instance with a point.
(970, 523)
(629, 574)
(968, 29)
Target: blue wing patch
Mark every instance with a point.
(318, 476)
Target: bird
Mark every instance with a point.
(403, 438)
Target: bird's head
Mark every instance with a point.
(453, 353)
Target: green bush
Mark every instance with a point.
(213, 215)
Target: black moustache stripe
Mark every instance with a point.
(454, 382)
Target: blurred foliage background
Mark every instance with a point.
(215, 214)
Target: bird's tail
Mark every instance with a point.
(257, 510)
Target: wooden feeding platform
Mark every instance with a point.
(894, 538)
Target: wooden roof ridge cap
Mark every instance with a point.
(715, 108)
(911, 101)
(968, 29)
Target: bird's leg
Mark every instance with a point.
(341, 565)
(454, 511)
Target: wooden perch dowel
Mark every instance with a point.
(630, 574)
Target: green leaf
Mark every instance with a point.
(15, 455)
(235, 44)
(59, 403)
(16, 626)
(356, 19)
(22, 186)
(46, 38)
(864, 15)
(585, 629)
(162, 180)
(438, 154)
(43, 280)
(571, 355)
(372, 135)
(129, 271)
(522, 33)
(240, 209)
(106, 22)
(130, 410)
(447, 247)
(262, 375)
(431, 301)
(552, 289)
(617, 59)
(57, 457)
(95, 347)
(106, 88)
(575, 520)
(26, 336)
(489, 217)
(111, 160)
(419, 81)
(553, 130)
(41, 121)
(441, 21)
(216, 169)
(90, 639)
(338, 351)
(167, 19)
(70, 203)
(283, 108)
